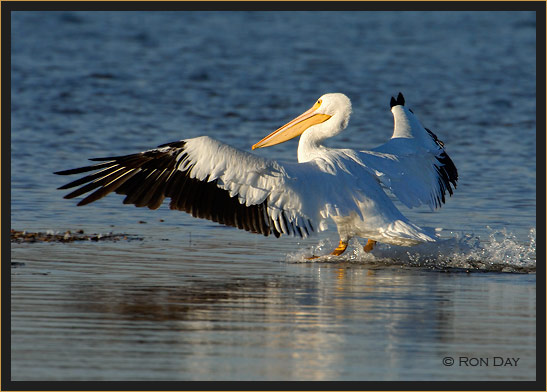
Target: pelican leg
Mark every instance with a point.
(340, 249)
(337, 252)
(369, 246)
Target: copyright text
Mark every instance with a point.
(480, 361)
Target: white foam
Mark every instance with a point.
(500, 251)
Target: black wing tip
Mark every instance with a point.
(447, 176)
(177, 144)
(439, 142)
(399, 101)
(72, 171)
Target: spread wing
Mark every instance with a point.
(207, 179)
(413, 164)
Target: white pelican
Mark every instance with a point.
(215, 181)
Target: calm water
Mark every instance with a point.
(190, 300)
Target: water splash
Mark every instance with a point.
(500, 251)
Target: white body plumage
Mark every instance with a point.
(265, 196)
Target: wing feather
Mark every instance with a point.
(204, 178)
(413, 164)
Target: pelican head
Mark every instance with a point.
(326, 118)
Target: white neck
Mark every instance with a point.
(309, 145)
(311, 141)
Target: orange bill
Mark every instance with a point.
(294, 128)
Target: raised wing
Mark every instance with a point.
(413, 164)
(206, 179)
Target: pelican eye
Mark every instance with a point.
(319, 101)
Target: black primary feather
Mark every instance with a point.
(435, 138)
(400, 99)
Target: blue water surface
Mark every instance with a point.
(206, 302)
